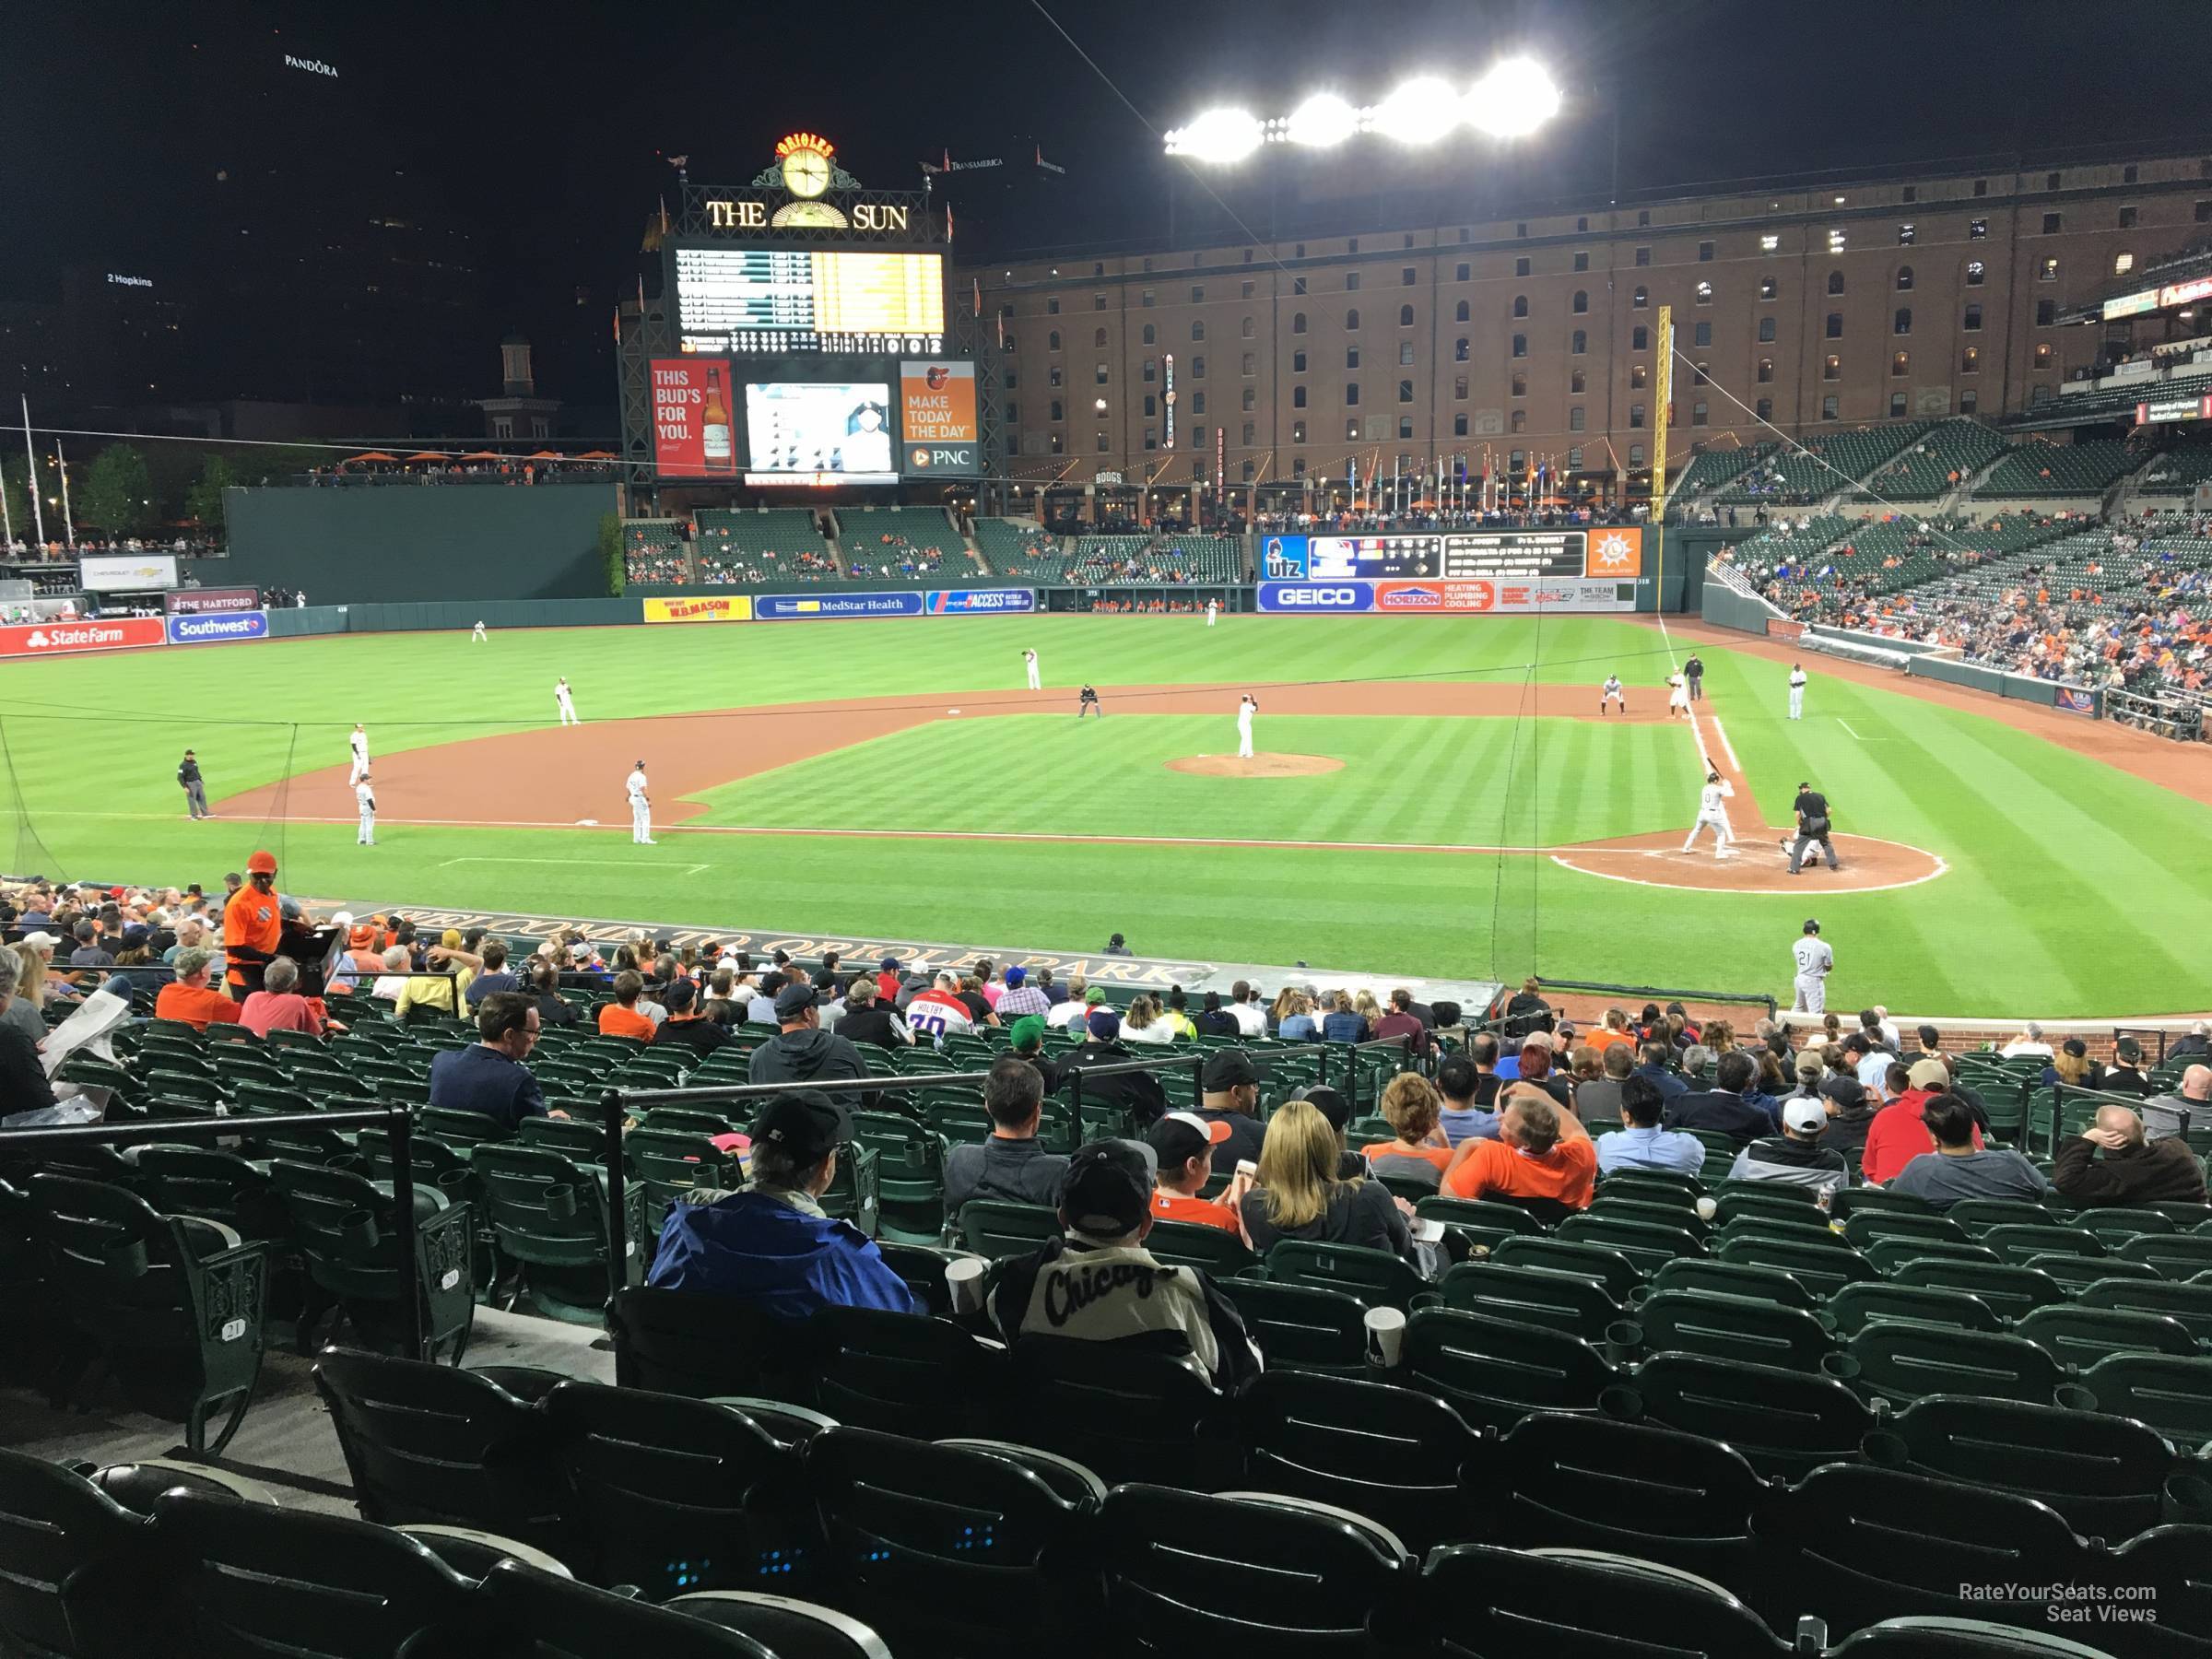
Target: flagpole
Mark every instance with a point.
(30, 481)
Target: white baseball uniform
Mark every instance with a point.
(641, 808)
(1815, 962)
(359, 743)
(1797, 694)
(1246, 709)
(1213, 609)
(1611, 692)
(367, 800)
(565, 703)
(1712, 812)
(1029, 661)
(475, 634)
(1678, 693)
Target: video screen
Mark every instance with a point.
(755, 302)
(819, 432)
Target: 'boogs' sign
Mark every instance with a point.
(60, 639)
(210, 628)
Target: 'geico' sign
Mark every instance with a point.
(1317, 597)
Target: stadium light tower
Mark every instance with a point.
(1513, 97)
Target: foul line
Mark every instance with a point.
(1728, 749)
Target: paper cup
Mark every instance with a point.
(1385, 1336)
(964, 1279)
(1708, 1208)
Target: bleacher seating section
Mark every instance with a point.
(782, 544)
(1109, 560)
(1830, 463)
(2178, 471)
(1715, 467)
(2058, 469)
(652, 550)
(900, 543)
(2122, 397)
(1693, 1376)
(1938, 462)
(1018, 548)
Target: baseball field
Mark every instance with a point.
(1428, 795)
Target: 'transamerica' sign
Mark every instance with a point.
(58, 639)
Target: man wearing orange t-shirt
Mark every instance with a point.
(621, 1018)
(190, 999)
(1183, 1144)
(1615, 1029)
(1542, 1151)
(252, 926)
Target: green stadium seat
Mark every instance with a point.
(1494, 1371)
(2191, 1304)
(1477, 1219)
(1126, 1414)
(1566, 1302)
(1857, 1306)
(1483, 1599)
(2010, 1292)
(2080, 1337)
(1390, 1453)
(434, 1443)
(2173, 1393)
(2020, 1244)
(902, 1519)
(1890, 1254)
(1733, 1327)
(1608, 1267)
(993, 1229)
(1646, 1244)
(1786, 1423)
(76, 1563)
(172, 1304)
(1378, 1277)
(348, 1233)
(1902, 1360)
(1734, 1278)
(2177, 1256)
(1300, 1327)
(547, 1614)
(1825, 1268)
(672, 1494)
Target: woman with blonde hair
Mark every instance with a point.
(1343, 1023)
(1366, 1006)
(1300, 1195)
(1144, 1023)
(31, 984)
(1412, 1107)
(1294, 1020)
(2071, 1063)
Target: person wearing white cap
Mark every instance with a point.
(640, 807)
(564, 702)
(1796, 1157)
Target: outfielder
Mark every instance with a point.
(1711, 812)
(477, 635)
(1246, 709)
(359, 743)
(1797, 691)
(1677, 694)
(1612, 692)
(564, 702)
(1213, 609)
(366, 797)
(640, 807)
(1815, 961)
(1029, 662)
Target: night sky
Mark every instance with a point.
(544, 125)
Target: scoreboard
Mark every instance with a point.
(775, 302)
(1526, 555)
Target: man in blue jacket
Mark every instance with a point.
(769, 1241)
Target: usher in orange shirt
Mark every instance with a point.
(251, 919)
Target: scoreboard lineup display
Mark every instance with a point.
(1531, 553)
(773, 301)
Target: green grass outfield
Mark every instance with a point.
(2074, 888)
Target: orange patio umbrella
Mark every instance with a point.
(482, 455)
(546, 455)
(372, 456)
(426, 455)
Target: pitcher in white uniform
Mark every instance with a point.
(1677, 694)
(1711, 812)
(366, 798)
(359, 743)
(1797, 691)
(1029, 661)
(1246, 709)
(1815, 962)
(565, 703)
(640, 807)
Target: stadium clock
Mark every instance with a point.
(806, 173)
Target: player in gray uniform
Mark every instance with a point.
(1814, 962)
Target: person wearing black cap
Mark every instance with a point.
(770, 1242)
(686, 1024)
(1098, 1283)
(1229, 1093)
(1850, 1111)
(1140, 1094)
(802, 1051)
(1813, 826)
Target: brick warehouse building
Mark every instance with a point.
(1822, 305)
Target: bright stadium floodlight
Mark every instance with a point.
(1322, 120)
(1219, 135)
(1514, 97)
(1421, 112)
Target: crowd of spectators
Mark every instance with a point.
(479, 469)
(893, 553)
(185, 543)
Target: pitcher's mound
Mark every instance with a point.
(1259, 766)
